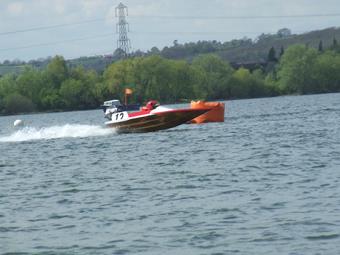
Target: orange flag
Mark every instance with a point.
(128, 91)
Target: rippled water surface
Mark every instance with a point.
(267, 181)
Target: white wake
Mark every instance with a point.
(55, 132)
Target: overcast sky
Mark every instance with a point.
(98, 36)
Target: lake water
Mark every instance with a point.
(267, 181)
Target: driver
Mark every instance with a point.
(153, 104)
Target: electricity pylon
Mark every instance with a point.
(123, 42)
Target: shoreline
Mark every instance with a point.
(176, 103)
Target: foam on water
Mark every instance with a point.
(54, 132)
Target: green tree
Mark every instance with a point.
(335, 46)
(252, 85)
(150, 77)
(156, 77)
(241, 82)
(56, 72)
(50, 99)
(335, 43)
(100, 92)
(249, 85)
(320, 48)
(29, 84)
(154, 51)
(215, 77)
(272, 55)
(89, 80)
(117, 76)
(72, 94)
(296, 69)
(53, 76)
(326, 74)
(271, 85)
(282, 51)
(2, 105)
(16, 103)
(182, 85)
(8, 85)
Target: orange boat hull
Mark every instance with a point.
(215, 113)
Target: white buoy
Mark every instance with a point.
(18, 123)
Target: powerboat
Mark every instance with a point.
(149, 118)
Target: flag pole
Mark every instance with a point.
(127, 92)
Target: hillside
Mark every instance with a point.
(4, 69)
(258, 52)
(238, 52)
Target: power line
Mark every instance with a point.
(173, 17)
(50, 27)
(241, 17)
(209, 33)
(57, 42)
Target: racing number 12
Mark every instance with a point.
(119, 115)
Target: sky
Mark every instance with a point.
(33, 29)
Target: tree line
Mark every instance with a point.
(298, 70)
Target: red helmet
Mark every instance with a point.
(152, 104)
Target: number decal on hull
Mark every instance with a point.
(120, 116)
